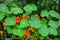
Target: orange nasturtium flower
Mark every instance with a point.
(37, 16)
(31, 29)
(3, 24)
(25, 16)
(1, 32)
(27, 33)
(18, 19)
(43, 18)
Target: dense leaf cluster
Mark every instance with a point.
(47, 9)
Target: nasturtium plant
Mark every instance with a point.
(34, 22)
(16, 10)
(29, 8)
(53, 24)
(10, 21)
(29, 19)
(1, 16)
(18, 32)
(53, 31)
(23, 23)
(43, 30)
(3, 7)
(44, 13)
(54, 14)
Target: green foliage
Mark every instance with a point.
(8, 28)
(44, 13)
(23, 23)
(41, 37)
(34, 23)
(7, 39)
(16, 10)
(3, 7)
(29, 8)
(54, 14)
(43, 22)
(44, 31)
(47, 9)
(10, 21)
(53, 24)
(53, 31)
(8, 1)
(18, 32)
(1, 16)
(59, 22)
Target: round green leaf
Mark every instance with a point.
(54, 14)
(3, 7)
(34, 22)
(44, 13)
(10, 21)
(34, 7)
(23, 23)
(53, 31)
(18, 32)
(53, 24)
(29, 8)
(44, 31)
(16, 10)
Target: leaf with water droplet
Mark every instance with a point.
(44, 31)
(53, 24)
(10, 21)
(29, 8)
(34, 22)
(53, 31)
(18, 32)
(3, 7)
